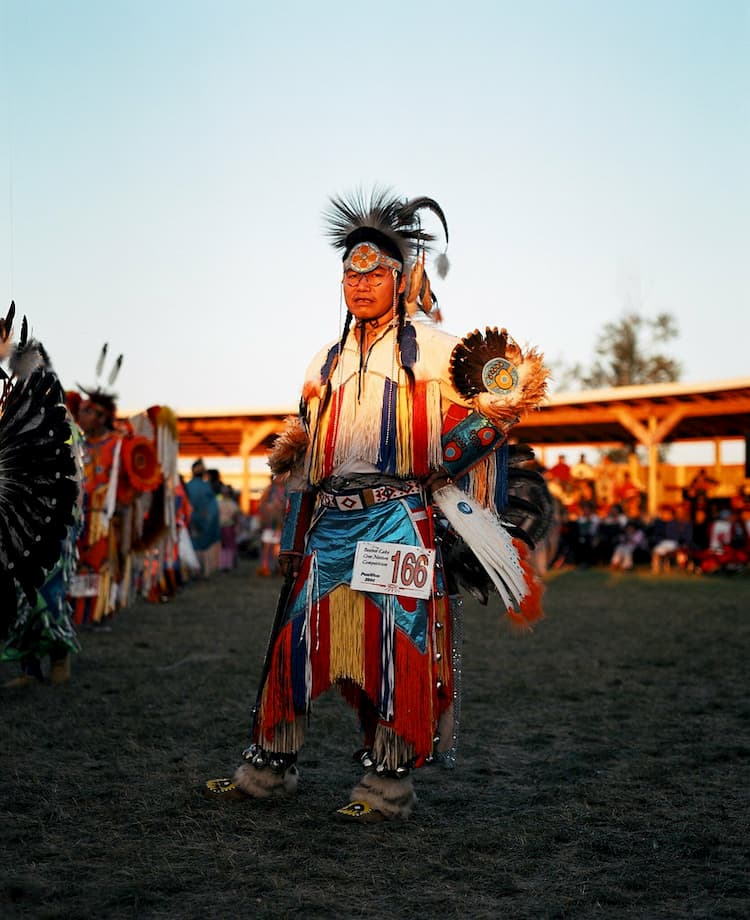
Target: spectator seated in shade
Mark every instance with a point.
(672, 537)
(632, 539)
(729, 546)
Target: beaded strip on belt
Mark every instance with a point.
(356, 499)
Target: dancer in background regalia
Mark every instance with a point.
(112, 483)
(39, 489)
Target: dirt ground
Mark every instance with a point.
(604, 770)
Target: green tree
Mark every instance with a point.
(628, 352)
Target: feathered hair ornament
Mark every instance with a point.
(97, 394)
(393, 225)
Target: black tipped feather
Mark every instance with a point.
(471, 355)
(102, 359)
(115, 371)
(6, 324)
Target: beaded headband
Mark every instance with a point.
(366, 257)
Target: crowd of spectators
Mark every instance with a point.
(602, 512)
(604, 522)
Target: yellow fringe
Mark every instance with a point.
(434, 422)
(347, 626)
(102, 606)
(404, 442)
(166, 418)
(314, 452)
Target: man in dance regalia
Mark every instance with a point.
(118, 466)
(397, 473)
(94, 589)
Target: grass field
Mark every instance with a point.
(604, 770)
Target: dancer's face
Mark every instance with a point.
(369, 295)
(92, 419)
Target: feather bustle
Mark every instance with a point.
(289, 448)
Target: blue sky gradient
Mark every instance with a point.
(166, 165)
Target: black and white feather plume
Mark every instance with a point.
(38, 484)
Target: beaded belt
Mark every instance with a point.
(357, 499)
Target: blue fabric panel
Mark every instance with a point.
(387, 455)
(334, 539)
(289, 526)
(501, 485)
(299, 659)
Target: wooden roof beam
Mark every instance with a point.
(255, 434)
(657, 429)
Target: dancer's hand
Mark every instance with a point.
(289, 563)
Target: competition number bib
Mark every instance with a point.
(393, 568)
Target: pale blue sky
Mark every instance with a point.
(165, 164)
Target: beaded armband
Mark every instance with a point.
(468, 442)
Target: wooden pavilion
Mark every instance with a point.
(649, 415)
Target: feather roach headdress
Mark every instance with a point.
(386, 229)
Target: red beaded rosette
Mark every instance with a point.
(141, 464)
